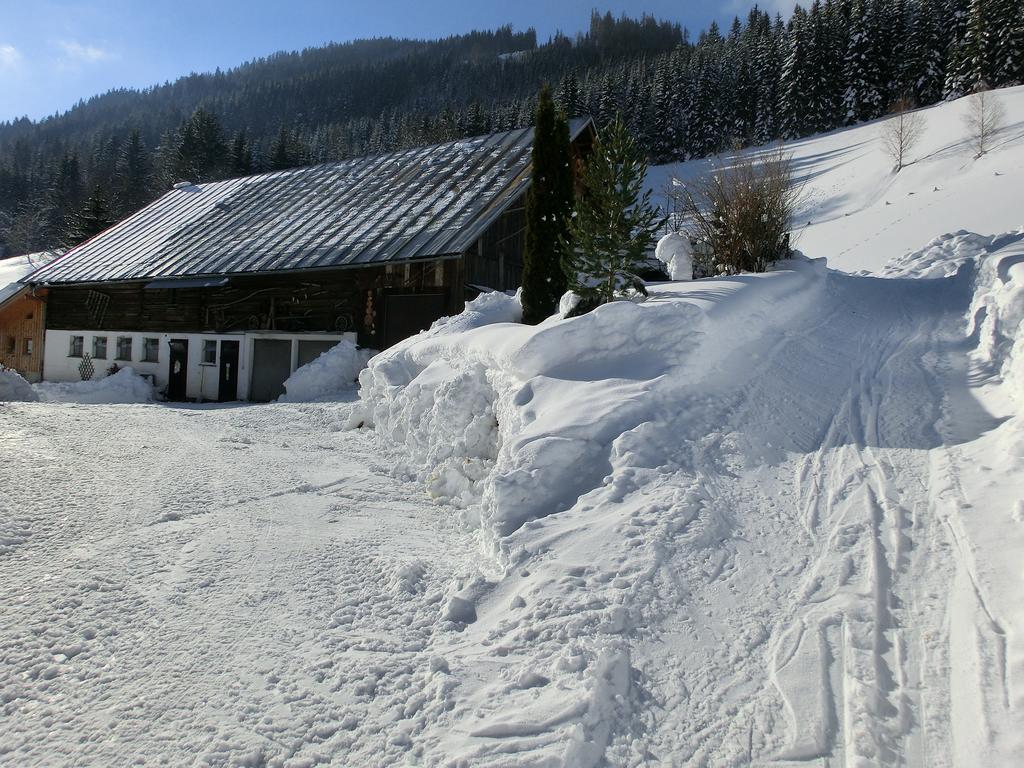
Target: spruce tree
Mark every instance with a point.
(94, 218)
(548, 205)
(1008, 16)
(134, 175)
(200, 152)
(613, 222)
(240, 162)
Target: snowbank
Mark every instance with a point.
(485, 309)
(515, 422)
(125, 386)
(997, 313)
(331, 375)
(13, 388)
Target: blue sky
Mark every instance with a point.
(53, 52)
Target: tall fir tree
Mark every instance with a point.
(864, 98)
(134, 175)
(549, 203)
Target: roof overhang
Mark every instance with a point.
(187, 282)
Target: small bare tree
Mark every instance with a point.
(901, 132)
(984, 119)
(740, 213)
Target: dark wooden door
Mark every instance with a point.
(227, 390)
(406, 314)
(177, 375)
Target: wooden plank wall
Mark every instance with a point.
(338, 301)
(21, 319)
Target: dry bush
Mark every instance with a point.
(740, 214)
(901, 132)
(984, 119)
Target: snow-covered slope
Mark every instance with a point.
(859, 214)
(13, 269)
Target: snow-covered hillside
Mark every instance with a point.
(768, 520)
(859, 214)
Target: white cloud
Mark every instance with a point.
(9, 55)
(77, 53)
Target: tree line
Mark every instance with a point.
(834, 63)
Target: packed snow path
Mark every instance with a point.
(213, 586)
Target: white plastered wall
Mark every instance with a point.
(202, 379)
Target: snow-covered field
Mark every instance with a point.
(768, 520)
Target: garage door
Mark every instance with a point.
(311, 350)
(271, 365)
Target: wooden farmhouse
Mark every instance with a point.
(22, 315)
(219, 291)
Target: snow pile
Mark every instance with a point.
(330, 375)
(13, 388)
(485, 309)
(997, 312)
(125, 386)
(675, 251)
(516, 422)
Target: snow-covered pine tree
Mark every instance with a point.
(926, 53)
(613, 222)
(548, 205)
(568, 96)
(955, 31)
(864, 99)
(793, 96)
(705, 131)
(665, 112)
(769, 73)
(1008, 54)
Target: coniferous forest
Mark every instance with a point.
(834, 63)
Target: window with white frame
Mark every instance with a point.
(76, 345)
(150, 350)
(124, 348)
(99, 347)
(29, 345)
(209, 352)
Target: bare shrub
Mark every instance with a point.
(739, 214)
(901, 132)
(984, 119)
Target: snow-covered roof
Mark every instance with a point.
(14, 270)
(412, 204)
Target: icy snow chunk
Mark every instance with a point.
(125, 386)
(460, 609)
(675, 251)
(13, 388)
(329, 376)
